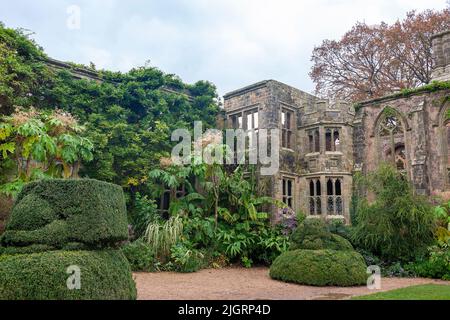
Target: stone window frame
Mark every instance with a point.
(287, 128)
(287, 197)
(394, 145)
(315, 196)
(244, 114)
(333, 134)
(313, 135)
(334, 195)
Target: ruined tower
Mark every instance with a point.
(441, 56)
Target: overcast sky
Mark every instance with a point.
(232, 43)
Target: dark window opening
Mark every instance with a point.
(288, 191)
(286, 128)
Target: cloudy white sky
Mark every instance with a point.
(232, 43)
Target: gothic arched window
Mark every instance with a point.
(315, 197)
(391, 138)
(334, 196)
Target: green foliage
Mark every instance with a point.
(313, 234)
(398, 225)
(144, 213)
(185, 258)
(320, 268)
(161, 236)
(128, 116)
(442, 215)
(43, 276)
(221, 212)
(436, 265)
(58, 212)
(140, 255)
(22, 71)
(42, 144)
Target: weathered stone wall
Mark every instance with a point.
(270, 98)
(441, 56)
(423, 117)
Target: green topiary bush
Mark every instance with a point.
(43, 276)
(140, 255)
(313, 234)
(320, 268)
(58, 212)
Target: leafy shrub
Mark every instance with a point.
(140, 255)
(145, 212)
(320, 268)
(396, 269)
(398, 225)
(42, 276)
(436, 265)
(58, 212)
(337, 226)
(313, 234)
(369, 257)
(185, 258)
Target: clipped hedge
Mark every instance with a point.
(59, 212)
(42, 276)
(313, 234)
(320, 268)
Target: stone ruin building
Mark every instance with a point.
(324, 143)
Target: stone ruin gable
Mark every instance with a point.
(425, 138)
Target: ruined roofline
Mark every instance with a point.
(78, 72)
(258, 85)
(440, 34)
(254, 86)
(83, 73)
(431, 87)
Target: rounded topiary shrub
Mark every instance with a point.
(59, 212)
(320, 268)
(313, 234)
(41, 276)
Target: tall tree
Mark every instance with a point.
(371, 61)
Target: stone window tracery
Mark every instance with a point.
(288, 191)
(334, 196)
(287, 118)
(390, 131)
(315, 197)
(314, 140)
(332, 141)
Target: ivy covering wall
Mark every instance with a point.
(127, 116)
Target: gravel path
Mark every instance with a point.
(247, 284)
